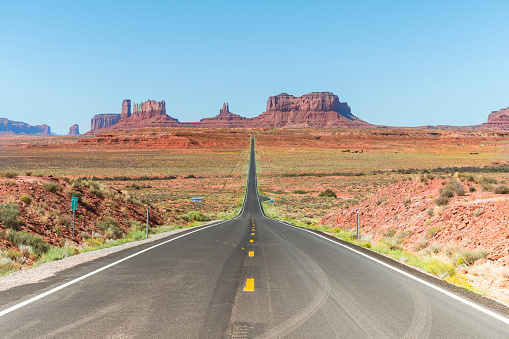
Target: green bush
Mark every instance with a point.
(36, 242)
(328, 193)
(57, 253)
(195, 216)
(9, 174)
(73, 193)
(501, 189)
(50, 186)
(471, 189)
(111, 228)
(299, 192)
(9, 215)
(478, 212)
(26, 199)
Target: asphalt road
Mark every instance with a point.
(244, 278)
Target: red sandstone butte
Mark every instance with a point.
(317, 109)
(74, 130)
(225, 119)
(498, 120)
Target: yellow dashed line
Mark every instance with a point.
(252, 233)
(251, 240)
(251, 253)
(249, 285)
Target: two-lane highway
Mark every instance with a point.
(243, 278)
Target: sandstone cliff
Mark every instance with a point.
(13, 128)
(317, 109)
(74, 130)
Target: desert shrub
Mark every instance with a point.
(50, 186)
(441, 201)
(85, 235)
(57, 253)
(432, 231)
(195, 216)
(391, 232)
(430, 211)
(190, 176)
(486, 180)
(26, 199)
(406, 201)
(36, 242)
(487, 187)
(299, 192)
(456, 187)
(134, 224)
(435, 248)
(392, 243)
(111, 228)
(467, 257)
(9, 215)
(421, 244)
(73, 193)
(136, 234)
(501, 189)
(9, 174)
(478, 212)
(65, 221)
(328, 193)
(446, 192)
(466, 177)
(28, 174)
(471, 188)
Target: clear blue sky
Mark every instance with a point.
(405, 63)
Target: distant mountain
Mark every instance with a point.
(15, 128)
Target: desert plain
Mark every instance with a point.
(431, 198)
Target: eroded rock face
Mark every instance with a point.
(498, 120)
(148, 109)
(101, 121)
(9, 127)
(74, 130)
(317, 109)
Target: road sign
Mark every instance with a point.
(74, 203)
(196, 199)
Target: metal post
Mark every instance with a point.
(357, 224)
(147, 223)
(73, 214)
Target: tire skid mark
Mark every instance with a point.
(421, 323)
(318, 301)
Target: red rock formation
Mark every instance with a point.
(12, 128)
(225, 119)
(102, 121)
(317, 109)
(74, 130)
(126, 109)
(498, 120)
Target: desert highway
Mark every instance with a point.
(249, 277)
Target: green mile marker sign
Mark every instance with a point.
(74, 203)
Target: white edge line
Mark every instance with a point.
(58, 288)
(439, 289)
